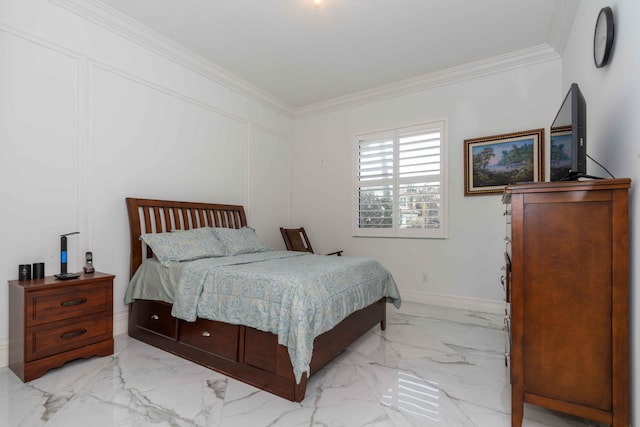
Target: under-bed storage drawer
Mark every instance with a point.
(155, 316)
(260, 349)
(219, 339)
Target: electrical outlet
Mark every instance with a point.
(425, 278)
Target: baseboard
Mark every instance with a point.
(4, 352)
(462, 303)
(120, 322)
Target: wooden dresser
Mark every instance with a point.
(52, 322)
(568, 286)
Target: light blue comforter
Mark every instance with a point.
(295, 295)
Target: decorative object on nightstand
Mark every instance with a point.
(24, 272)
(603, 37)
(63, 259)
(52, 322)
(38, 270)
(88, 267)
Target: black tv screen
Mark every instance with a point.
(568, 157)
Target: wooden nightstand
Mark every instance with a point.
(52, 322)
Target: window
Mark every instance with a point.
(399, 188)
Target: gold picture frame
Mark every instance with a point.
(493, 162)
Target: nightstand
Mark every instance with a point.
(52, 322)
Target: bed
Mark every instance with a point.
(179, 307)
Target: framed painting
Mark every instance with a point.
(560, 153)
(493, 162)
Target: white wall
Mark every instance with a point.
(91, 114)
(613, 111)
(463, 269)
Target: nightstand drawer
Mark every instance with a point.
(46, 306)
(219, 339)
(58, 337)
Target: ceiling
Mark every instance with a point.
(303, 54)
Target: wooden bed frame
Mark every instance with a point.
(241, 352)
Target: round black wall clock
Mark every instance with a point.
(603, 37)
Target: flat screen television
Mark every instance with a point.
(568, 157)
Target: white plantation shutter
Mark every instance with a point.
(399, 182)
(375, 173)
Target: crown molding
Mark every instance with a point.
(564, 13)
(514, 60)
(119, 23)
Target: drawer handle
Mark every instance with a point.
(206, 334)
(73, 302)
(154, 317)
(73, 334)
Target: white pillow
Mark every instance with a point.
(184, 245)
(239, 241)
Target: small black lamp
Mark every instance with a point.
(63, 259)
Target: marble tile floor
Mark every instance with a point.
(433, 366)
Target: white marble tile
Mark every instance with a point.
(433, 366)
(247, 406)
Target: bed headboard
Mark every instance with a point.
(158, 216)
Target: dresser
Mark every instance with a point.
(52, 322)
(566, 277)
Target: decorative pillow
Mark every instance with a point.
(184, 245)
(239, 241)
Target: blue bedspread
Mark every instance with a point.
(295, 295)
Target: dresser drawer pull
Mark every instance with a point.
(73, 302)
(73, 334)
(154, 317)
(206, 334)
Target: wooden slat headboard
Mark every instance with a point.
(159, 216)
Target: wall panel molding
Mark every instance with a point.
(39, 41)
(95, 64)
(80, 60)
(270, 131)
(135, 32)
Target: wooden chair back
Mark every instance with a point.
(295, 239)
